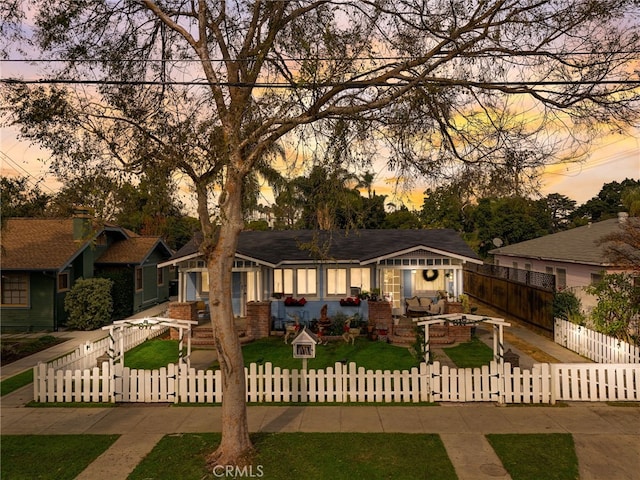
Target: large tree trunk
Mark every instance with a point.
(235, 447)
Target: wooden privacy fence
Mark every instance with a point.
(594, 345)
(545, 383)
(511, 293)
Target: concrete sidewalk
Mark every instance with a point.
(607, 437)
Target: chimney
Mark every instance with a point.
(81, 223)
(622, 217)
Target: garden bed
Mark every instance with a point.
(16, 348)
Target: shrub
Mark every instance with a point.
(566, 305)
(617, 307)
(89, 303)
(121, 292)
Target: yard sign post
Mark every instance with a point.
(304, 346)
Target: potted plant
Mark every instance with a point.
(375, 293)
(363, 295)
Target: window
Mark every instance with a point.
(63, 281)
(527, 266)
(561, 278)
(336, 281)
(283, 281)
(204, 281)
(306, 281)
(15, 289)
(161, 276)
(138, 278)
(595, 278)
(361, 278)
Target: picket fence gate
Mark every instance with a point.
(593, 345)
(544, 383)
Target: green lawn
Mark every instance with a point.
(365, 353)
(549, 456)
(56, 457)
(395, 456)
(12, 384)
(307, 456)
(472, 354)
(152, 354)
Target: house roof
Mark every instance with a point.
(38, 244)
(132, 250)
(47, 244)
(578, 245)
(361, 246)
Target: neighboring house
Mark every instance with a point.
(575, 256)
(300, 271)
(42, 259)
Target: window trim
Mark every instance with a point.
(62, 275)
(345, 280)
(312, 286)
(280, 284)
(139, 279)
(27, 290)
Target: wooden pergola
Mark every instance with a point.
(466, 319)
(117, 328)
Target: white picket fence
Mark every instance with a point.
(545, 383)
(86, 355)
(593, 345)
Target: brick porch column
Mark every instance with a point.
(380, 315)
(259, 319)
(182, 311)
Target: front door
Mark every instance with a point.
(392, 284)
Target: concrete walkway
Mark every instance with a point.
(607, 438)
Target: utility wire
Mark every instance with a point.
(444, 53)
(311, 86)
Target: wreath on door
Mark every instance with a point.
(429, 275)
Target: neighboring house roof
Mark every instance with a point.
(134, 250)
(578, 245)
(39, 244)
(362, 246)
(47, 244)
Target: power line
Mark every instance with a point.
(311, 86)
(32, 179)
(443, 53)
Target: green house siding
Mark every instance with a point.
(149, 293)
(41, 313)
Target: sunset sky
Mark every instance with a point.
(614, 159)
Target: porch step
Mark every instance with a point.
(202, 336)
(402, 340)
(441, 340)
